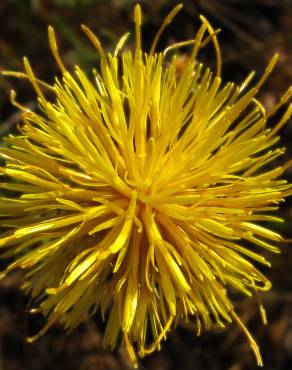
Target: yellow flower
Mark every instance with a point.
(141, 192)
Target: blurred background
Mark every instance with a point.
(252, 31)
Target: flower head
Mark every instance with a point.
(142, 191)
